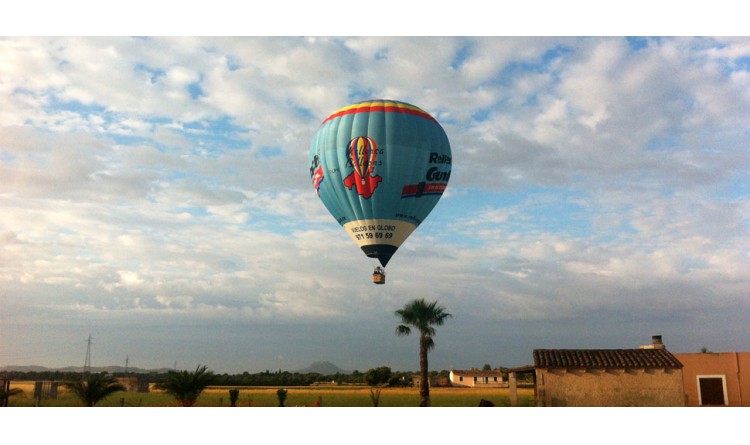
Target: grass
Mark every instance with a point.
(327, 396)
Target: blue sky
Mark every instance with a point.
(155, 194)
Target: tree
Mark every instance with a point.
(378, 376)
(186, 386)
(424, 317)
(93, 388)
(234, 394)
(281, 395)
(375, 395)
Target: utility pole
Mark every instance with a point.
(127, 360)
(87, 363)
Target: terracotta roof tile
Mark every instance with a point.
(476, 372)
(605, 358)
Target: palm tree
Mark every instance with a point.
(93, 388)
(186, 386)
(423, 316)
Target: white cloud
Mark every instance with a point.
(146, 180)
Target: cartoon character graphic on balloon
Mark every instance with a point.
(362, 153)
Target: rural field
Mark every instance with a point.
(324, 396)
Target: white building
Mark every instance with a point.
(475, 377)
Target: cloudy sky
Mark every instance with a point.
(155, 194)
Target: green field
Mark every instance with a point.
(327, 396)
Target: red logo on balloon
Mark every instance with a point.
(361, 154)
(316, 173)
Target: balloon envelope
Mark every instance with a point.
(380, 166)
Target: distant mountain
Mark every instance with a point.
(108, 369)
(325, 368)
(25, 369)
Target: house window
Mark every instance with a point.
(494, 379)
(461, 378)
(712, 390)
(475, 379)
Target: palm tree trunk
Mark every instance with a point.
(424, 383)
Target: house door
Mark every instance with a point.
(712, 390)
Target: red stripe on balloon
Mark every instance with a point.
(381, 109)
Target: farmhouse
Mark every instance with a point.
(716, 379)
(648, 376)
(475, 377)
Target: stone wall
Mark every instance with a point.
(606, 387)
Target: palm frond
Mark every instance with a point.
(93, 388)
(423, 315)
(187, 386)
(403, 330)
(429, 343)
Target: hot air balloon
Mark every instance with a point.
(380, 167)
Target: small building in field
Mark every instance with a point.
(133, 384)
(433, 381)
(716, 379)
(475, 377)
(648, 376)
